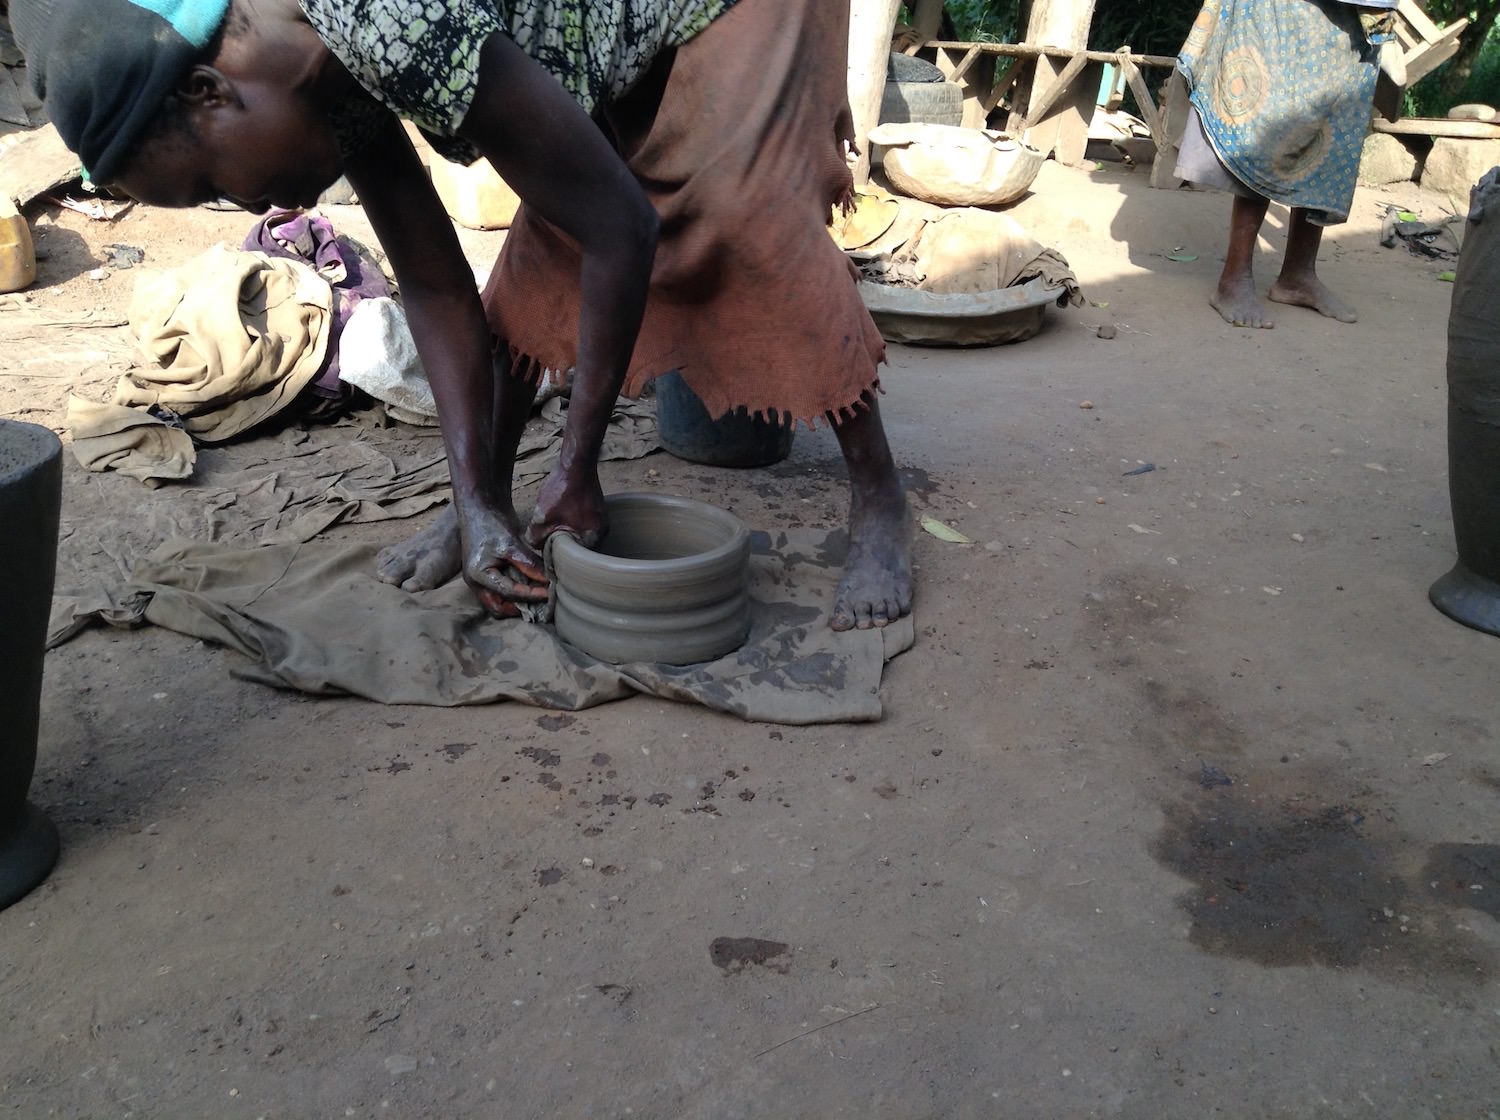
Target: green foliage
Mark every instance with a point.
(986, 21)
(1157, 28)
(1431, 98)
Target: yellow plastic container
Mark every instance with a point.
(17, 254)
(474, 196)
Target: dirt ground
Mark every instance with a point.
(1183, 804)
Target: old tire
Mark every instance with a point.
(922, 103)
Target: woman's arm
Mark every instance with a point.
(453, 339)
(554, 156)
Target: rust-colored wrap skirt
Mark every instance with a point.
(738, 139)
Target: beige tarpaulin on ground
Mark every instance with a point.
(232, 338)
(314, 618)
(290, 487)
(131, 441)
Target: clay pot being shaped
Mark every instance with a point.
(666, 584)
(30, 498)
(1470, 593)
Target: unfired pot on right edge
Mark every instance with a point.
(1470, 593)
(30, 498)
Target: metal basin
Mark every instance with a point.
(666, 584)
(923, 318)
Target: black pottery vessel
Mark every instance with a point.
(30, 497)
(1470, 592)
(687, 431)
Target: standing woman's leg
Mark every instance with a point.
(1298, 283)
(876, 587)
(1235, 297)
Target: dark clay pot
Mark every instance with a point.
(1470, 592)
(30, 496)
(735, 440)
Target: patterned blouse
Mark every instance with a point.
(420, 58)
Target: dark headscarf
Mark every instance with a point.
(104, 68)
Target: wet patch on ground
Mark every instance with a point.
(544, 758)
(1282, 885)
(917, 481)
(735, 954)
(1466, 875)
(1285, 878)
(1488, 779)
(1292, 864)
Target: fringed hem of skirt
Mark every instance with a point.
(532, 369)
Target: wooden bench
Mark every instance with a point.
(997, 76)
(1425, 46)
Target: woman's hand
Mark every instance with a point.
(570, 501)
(498, 565)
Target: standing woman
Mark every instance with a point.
(1282, 92)
(676, 159)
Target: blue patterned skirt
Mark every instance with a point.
(1284, 90)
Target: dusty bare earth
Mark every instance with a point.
(1184, 804)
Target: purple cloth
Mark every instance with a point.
(349, 270)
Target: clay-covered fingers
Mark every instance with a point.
(496, 605)
(517, 580)
(496, 563)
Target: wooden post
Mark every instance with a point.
(1174, 115)
(1060, 23)
(871, 25)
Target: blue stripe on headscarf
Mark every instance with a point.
(104, 68)
(195, 20)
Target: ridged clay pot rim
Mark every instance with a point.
(574, 565)
(657, 622)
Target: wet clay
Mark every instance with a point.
(666, 584)
(30, 498)
(1470, 592)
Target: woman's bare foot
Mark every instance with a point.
(1308, 291)
(1237, 302)
(877, 586)
(1298, 283)
(427, 560)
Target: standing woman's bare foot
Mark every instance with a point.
(427, 560)
(1237, 302)
(1308, 291)
(876, 588)
(1298, 283)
